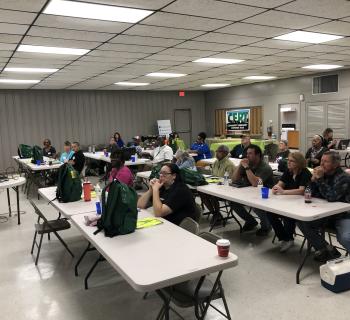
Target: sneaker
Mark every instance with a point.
(326, 254)
(286, 245)
(249, 226)
(262, 232)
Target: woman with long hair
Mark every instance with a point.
(118, 139)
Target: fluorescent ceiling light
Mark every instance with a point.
(16, 81)
(54, 50)
(218, 60)
(287, 109)
(95, 11)
(135, 84)
(31, 70)
(309, 37)
(166, 75)
(259, 77)
(215, 85)
(323, 66)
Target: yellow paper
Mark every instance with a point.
(147, 222)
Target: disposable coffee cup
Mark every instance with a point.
(223, 246)
(264, 192)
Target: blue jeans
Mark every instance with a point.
(311, 231)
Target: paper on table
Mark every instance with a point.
(147, 222)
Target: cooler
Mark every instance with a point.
(335, 275)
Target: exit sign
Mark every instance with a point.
(181, 93)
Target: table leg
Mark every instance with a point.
(9, 201)
(164, 313)
(18, 210)
(307, 254)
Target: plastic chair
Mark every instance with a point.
(197, 293)
(190, 225)
(47, 227)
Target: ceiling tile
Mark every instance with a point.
(186, 22)
(253, 30)
(145, 41)
(160, 56)
(23, 5)
(142, 4)
(285, 20)
(333, 27)
(333, 9)
(52, 21)
(156, 62)
(261, 3)
(40, 41)
(322, 48)
(69, 34)
(10, 38)
(295, 54)
(256, 50)
(340, 42)
(201, 45)
(16, 16)
(6, 53)
(227, 38)
(280, 44)
(189, 52)
(129, 48)
(11, 28)
(163, 32)
(334, 56)
(213, 9)
(7, 46)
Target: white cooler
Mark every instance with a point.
(335, 275)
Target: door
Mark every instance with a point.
(183, 124)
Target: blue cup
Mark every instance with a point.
(265, 192)
(38, 162)
(133, 159)
(98, 208)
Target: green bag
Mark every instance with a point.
(69, 187)
(119, 212)
(25, 151)
(155, 172)
(37, 154)
(193, 178)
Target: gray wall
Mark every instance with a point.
(29, 116)
(270, 95)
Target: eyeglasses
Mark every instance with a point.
(164, 173)
(290, 160)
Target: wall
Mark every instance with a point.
(90, 117)
(270, 95)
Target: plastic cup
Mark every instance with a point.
(223, 246)
(265, 192)
(38, 162)
(98, 207)
(133, 158)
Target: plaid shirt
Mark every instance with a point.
(333, 188)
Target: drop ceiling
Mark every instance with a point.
(169, 40)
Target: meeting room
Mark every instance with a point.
(174, 159)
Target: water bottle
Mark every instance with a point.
(90, 149)
(260, 183)
(87, 190)
(98, 191)
(93, 149)
(266, 159)
(307, 195)
(226, 176)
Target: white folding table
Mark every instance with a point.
(100, 156)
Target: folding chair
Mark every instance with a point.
(190, 225)
(47, 227)
(197, 293)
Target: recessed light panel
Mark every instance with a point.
(322, 67)
(166, 75)
(215, 85)
(95, 11)
(132, 84)
(308, 37)
(259, 78)
(16, 81)
(52, 50)
(218, 60)
(30, 70)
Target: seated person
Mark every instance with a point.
(329, 182)
(119, 171)
(136, 142)
(240, 150)
(118, 139)
(169, 196)
(293, 182)
(184, 160)
(282, 155)
(162, 152)
(314, 153)
(48, 149)
(112, 145)
(221, 165)
(328, 141)
(68, 152)
(200, 148)
(78, 158)
(250, 171)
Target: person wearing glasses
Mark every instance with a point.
(293, 182)
(48, 150)
(169, 196)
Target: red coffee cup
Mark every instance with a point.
(223, 246)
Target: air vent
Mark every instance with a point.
(325, 84)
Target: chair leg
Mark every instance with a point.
(48, 236)
(34, 239)
(274, 238)
(145, 296)
(39, 248)
(302, 246)
(63, 243)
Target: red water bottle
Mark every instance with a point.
(87, 190)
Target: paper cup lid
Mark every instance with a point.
(223, 242)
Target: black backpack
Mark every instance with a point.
(69, 187)
(119, 212)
